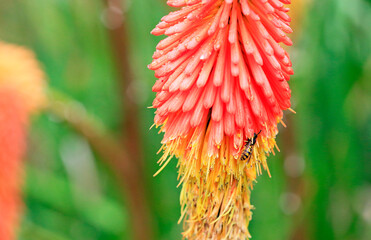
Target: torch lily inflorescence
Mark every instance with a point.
(222, 78)
(21, 94)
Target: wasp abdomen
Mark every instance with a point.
(247, 152)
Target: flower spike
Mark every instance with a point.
(222, 79)
(21, 94)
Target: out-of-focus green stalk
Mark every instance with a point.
(111, 151)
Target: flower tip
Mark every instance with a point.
(288, 41)
(291, 110)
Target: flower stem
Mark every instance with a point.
(117, 33)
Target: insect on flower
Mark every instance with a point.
(222, 77)
(249, 147)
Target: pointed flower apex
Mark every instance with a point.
(21, 72)
(222, 79)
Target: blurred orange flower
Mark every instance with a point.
(222, 79)
(20, 72)
(21, 93)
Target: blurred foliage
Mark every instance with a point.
(70, 195)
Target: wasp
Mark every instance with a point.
(249, 147)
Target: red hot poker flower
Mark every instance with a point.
(222, 77)
(21, 94)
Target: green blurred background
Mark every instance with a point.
(321, 180)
